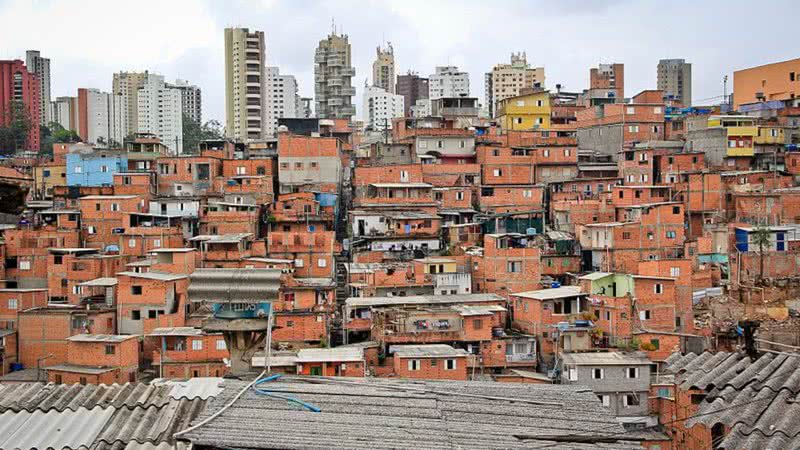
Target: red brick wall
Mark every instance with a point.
(431, 369)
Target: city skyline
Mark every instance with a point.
(561, 36)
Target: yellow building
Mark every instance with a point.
(45, 177)
(528, 111)
(770, 135)
(741, 132)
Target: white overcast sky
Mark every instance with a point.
(88, 40)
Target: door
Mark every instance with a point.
(316, 371)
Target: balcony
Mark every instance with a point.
(319, 58)
(335, 62)
(335, 101)
(348, 72)
(348, 91)
(334, 82)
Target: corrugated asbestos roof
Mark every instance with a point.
(40, 416)
(383, 414)
(234, 285)
(757, 400)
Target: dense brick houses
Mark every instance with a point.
(185, 352)
(98, 359)
(575, 238)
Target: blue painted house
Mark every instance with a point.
(779, 239)
(95, 167)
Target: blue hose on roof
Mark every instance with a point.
(269, 393)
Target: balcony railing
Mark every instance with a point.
(522, 357)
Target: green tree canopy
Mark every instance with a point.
(195, 132)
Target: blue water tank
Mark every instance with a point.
(16, 367)
(555, 284)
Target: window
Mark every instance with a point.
(642, 156)
(632, 372)
(514, 266)
(644, 315)
(413, 365)
(439, 144)
(298, 165)
(450, 364)
(136, 290)
(546, 153)
(658, 288)
(573, 374)
(78, 169)
(12, 303)
(289, 323)
(197, 344)
(630, 400)
(605, 399)
(497, 172)
(136, 314)
(58, 378)
(656, 343)
(110, 349)
(322, 262)
(676, 210)
(670, 235)
(298, 263)
(597, 374)
(115, 206)
(633, 128)
(663, 392)
(674, 271)
(104, 169)
(82, 380)
(460, 195)
(24, 265)
(791, 76)
(657, 110)
(477, 324)
(527, 193)
(731, 143)
(630, 110)
(626, 235)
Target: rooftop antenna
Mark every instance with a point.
(333, 26)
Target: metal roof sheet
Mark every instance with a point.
(176, 331)
(105, 282)
(606, 359)
(384, 414)
(234, 285)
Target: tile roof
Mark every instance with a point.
(383, 414)
(756, 400)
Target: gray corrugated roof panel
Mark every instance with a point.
(754, 399)
(52, 429)
(130, 416)
(103, 282)
(88, 370)
(383, 414)
(234, 285)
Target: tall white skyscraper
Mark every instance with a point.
(41, 67)
(282, 98)
(507, 80)
(160, 112)
(448, 81)
(380, 107)
(245, 102)
(101, 117)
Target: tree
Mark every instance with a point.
(52, 134)
(194, 132)
(762, 238)
(17, 124)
